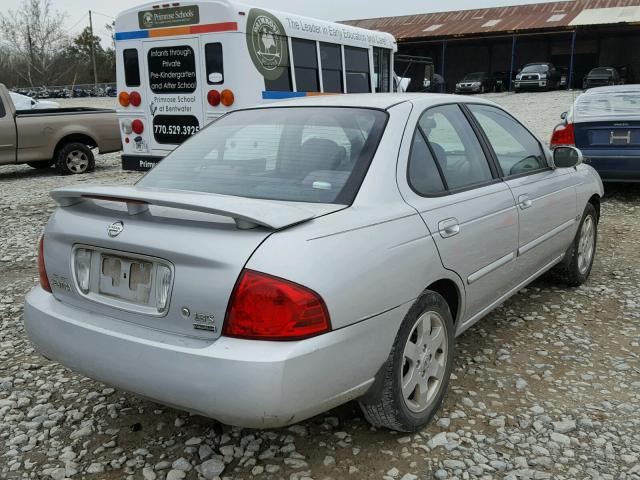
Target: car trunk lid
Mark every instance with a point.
(143, 243)
(608, 134)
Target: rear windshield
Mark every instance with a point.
(606, 104)
(316, 154)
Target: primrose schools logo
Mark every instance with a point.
(267, 43)
(115, 229)
(169, 17)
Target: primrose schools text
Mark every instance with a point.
(174, 104)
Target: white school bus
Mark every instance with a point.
(181, 65)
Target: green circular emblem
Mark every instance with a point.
(267, 43)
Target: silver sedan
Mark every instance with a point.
(293, 257)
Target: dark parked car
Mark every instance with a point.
(479, 82)
(604, 124)
(538, 76)
(601, 77)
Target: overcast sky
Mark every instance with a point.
(76, 10)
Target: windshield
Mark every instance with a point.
(601, 71)
(608, 104)
(473, 76)
(535, 69)
(316, 154)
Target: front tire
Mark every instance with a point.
(74, 159)
(581, 253)
(415, 377)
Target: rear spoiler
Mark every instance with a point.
(246, 212)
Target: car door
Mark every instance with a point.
(469, 212)
(7, 137)
(546, 197)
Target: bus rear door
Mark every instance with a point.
(176, 104)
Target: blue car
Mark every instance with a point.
(604, 124)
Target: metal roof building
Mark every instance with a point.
(576, 34)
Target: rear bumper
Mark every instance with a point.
(139, 163)
(239, 382)
(614, 167)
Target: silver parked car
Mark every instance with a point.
(293, 257)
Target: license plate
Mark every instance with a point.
(620, 138)
(125, 278)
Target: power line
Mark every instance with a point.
(78, 22)
(103, 14)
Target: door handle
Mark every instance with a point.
(524, 201)
(449, 227)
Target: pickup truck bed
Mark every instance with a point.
(62, 137)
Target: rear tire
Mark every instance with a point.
(421, 359)
(580, 255)
(74, 159)
(41, 165)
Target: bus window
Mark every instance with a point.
(331, 55)
(172, 69)
(213, 60)
(131, 67)
(282, 83)
(382, 69)
(356, 61)
(305, 63)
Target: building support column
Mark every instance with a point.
(513, 60)
(442, 64)
(573, 49)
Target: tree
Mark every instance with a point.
(35, 41)
(79, 53)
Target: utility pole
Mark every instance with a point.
(93, 53)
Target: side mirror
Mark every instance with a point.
(563, 116)
(566, 157)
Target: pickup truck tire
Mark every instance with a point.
(41, 165)
(74, 158)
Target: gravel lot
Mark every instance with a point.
(547, 386)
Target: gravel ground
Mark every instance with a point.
(547, 386)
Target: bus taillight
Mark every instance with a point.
(227, 98)
(123, 99)
(135, 99)
(137, 126)
(213, 97)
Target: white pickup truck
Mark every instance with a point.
(63, 137)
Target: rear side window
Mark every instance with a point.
(281, 80)
(2, 110)
(305, 60)
(317, 155)
(131, 67)
(356, 62)
(455, 147)
(424, 176)
(516, 149)
(214, 63)
(331, 56)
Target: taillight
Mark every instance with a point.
(137, 126)
(563, 135)
(213, 97)
(135, 99)
(42, 271)
(227, 98)
(264, 307)
(123, 99)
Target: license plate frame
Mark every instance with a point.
(114, 289)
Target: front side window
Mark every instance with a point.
(331, 55)
(305, 61)
(214, 63)
(356, 62)
(318, 155)
(455, 146)
(382, 69)
(516, 149)
(131, 67)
